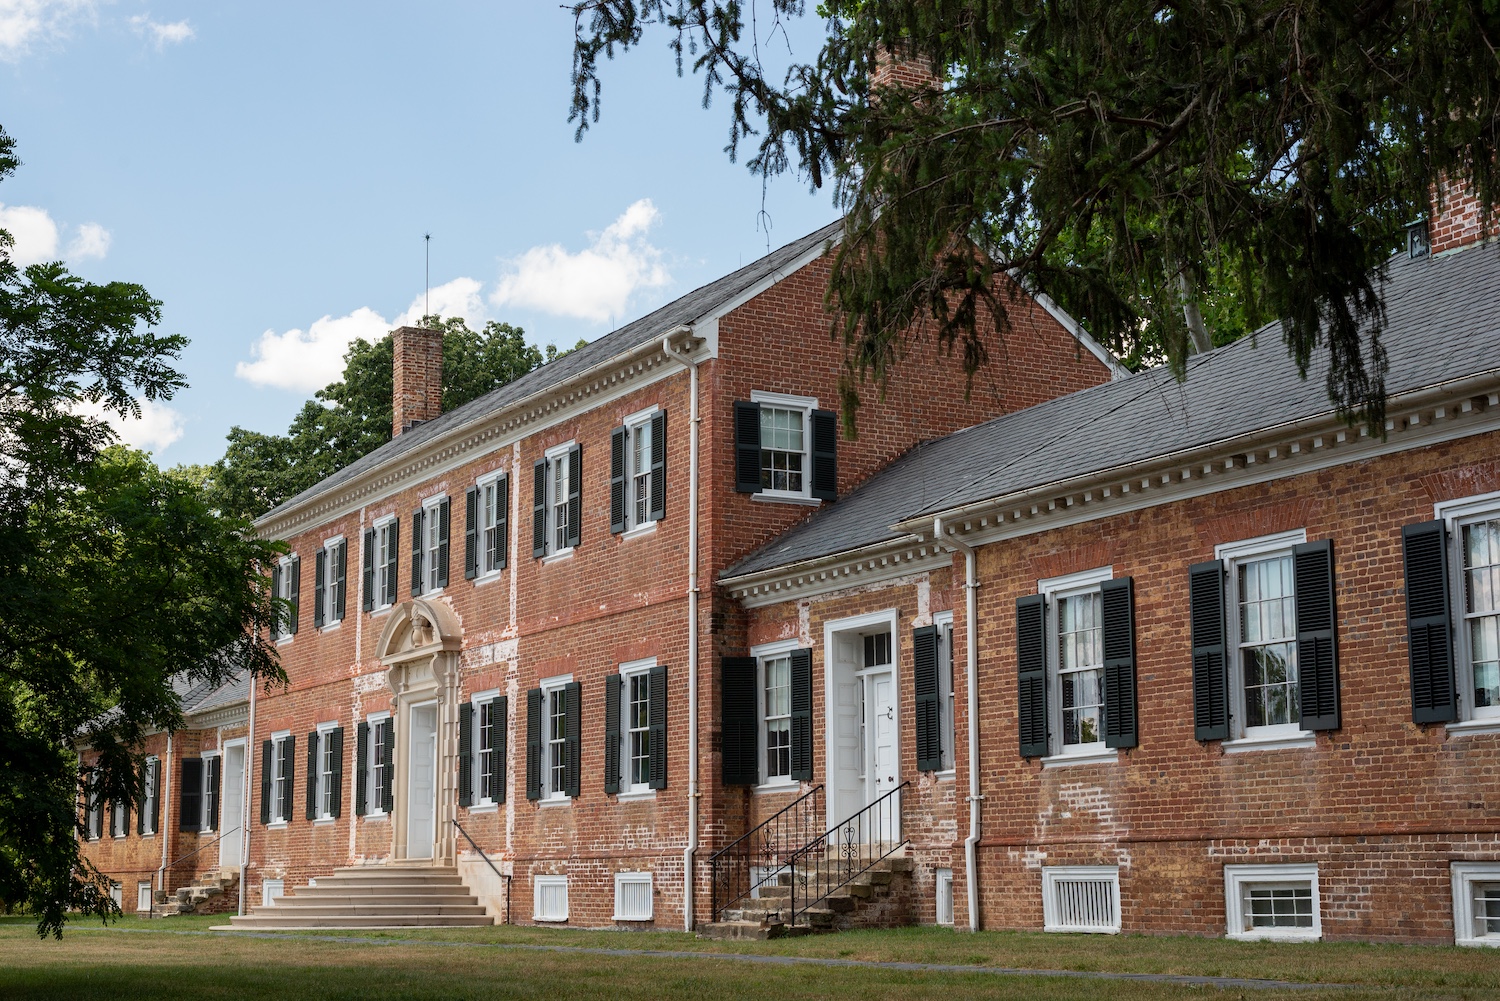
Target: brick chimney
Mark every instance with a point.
(1457, 223)
(901, 69)
(418, 377)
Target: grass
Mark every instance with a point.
(179, 959)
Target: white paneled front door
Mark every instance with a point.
(421, 802)
(232, 808)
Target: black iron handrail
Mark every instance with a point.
(162, 871)
(843, 852)
(503, 877)
(766, 846)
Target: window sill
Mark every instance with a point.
(380, 610)
(771, 497)
(283, 640)
(559, 556)
(632, 918)
(777, 785)
(1107, 756)
(635, 796)
(555, 801)
(1272, 742)
(946, 775)
(332, 628)
(325, 821)
(435, 592)
(647, 528)
(550, 921)
(1474, 727)
(276, 825)
(1492, 942)
(483, 808)
(381, 815)
(490, 577)
(1276, 935)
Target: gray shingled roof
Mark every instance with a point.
(686, 310)
(1443, 323)
(232, 692)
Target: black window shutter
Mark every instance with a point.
(279, 612)
(539, 509)
(388, 773)
(145, 798)
(336, 804)
(573, 735)
(416, 551)
(575, 495)
(1210, 656)
(444, 516)
(499, 721)
(265, 782)
(825, 455)
(659, 465)
(361, 768)
(288, 769)
(534, 743)
(114, 814)
(369, 571)
(312, 775)
(746, 447)
(340, 578)
(211, 808)
(156, 795)
(1429, 636)
(320, 586)
(738, 723)
(501, 556)
(466, 754)
(924, 669)
(1117, 607)
(617, 443)
(393, 560)
(802, 743)
(1317, 642)
(471, 533)
(1031, 677)
(295, 569)
(190, 796)
(612, 733)
(656, 709)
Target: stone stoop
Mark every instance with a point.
(880, 897)
(384, 896)
(213, 893)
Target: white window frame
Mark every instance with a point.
(554, 687)
(1239, 878)
(284, 592)
(116, 813)
(331, 618)
(430, 543)
(1232, 555)
(1053, 911)
(277, 778)
(947, 731)
(325, 775)
(557, 465)
(117, 893)
(943, 887)
(762, 654)
(623, 879)
(1056, 589)
(372, 784)
(1456, 515)
(383, 528)
(628, 672)
(806, 405)
(208, 756)
(143, 900)
(538, 883)
(637, 523)
(479, 701)
(1465, 876)
(488, 486)
(271, 890)
(151, 795)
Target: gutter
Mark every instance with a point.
(245, 795)
(971, 695)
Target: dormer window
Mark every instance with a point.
(1416, 239)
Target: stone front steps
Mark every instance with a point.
(416, 896)
(214, 893)
(876, 898)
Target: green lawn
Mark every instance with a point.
(177, 959)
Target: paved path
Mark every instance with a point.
(1243, 983)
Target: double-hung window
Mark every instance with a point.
(1075, 648)
(429, 546)
(553, 739)
(286, 586)
(487, 528)
(635, 729)
(481, 750)
(374, 752)
(330, 582)
(785, 448)
(277, 772)
(119, 820)
(325, 771)
(213, 766)
(557, 501)
(382, 555)
(776, 703)
(150, 796)
(637, 471)
(766, 715)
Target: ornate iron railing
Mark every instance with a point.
(760, 855)
(487, 861)
(843, 852)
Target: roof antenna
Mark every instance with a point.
(427, 288)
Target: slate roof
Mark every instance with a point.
(196, 696)
(686, 310)
(1443, 323)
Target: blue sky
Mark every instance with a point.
(268, 171)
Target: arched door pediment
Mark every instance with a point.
(416, 632)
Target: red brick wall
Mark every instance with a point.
(417, 372)
(1457, 222)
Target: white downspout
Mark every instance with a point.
(245, 796)
(164, 794)
(690, 852)
(971, 651)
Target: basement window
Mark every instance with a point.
(633, 896)
(1272, 902)
(271, 890)
(143, 896)
(1476, 903)
(1081, 898)
(549, 901)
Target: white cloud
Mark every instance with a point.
(157, 428)
(460, 297)
(24, 22)
(595, 283)
(161, 35)
(306, 361)
(33, 230)
(92, 240)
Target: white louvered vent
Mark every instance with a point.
(633, 896)
(1081, 898)
(945, 896)
(549, 898)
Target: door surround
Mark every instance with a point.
(888, 618)
(420, 647)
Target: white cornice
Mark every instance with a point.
(868, 565)
(230, 715)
